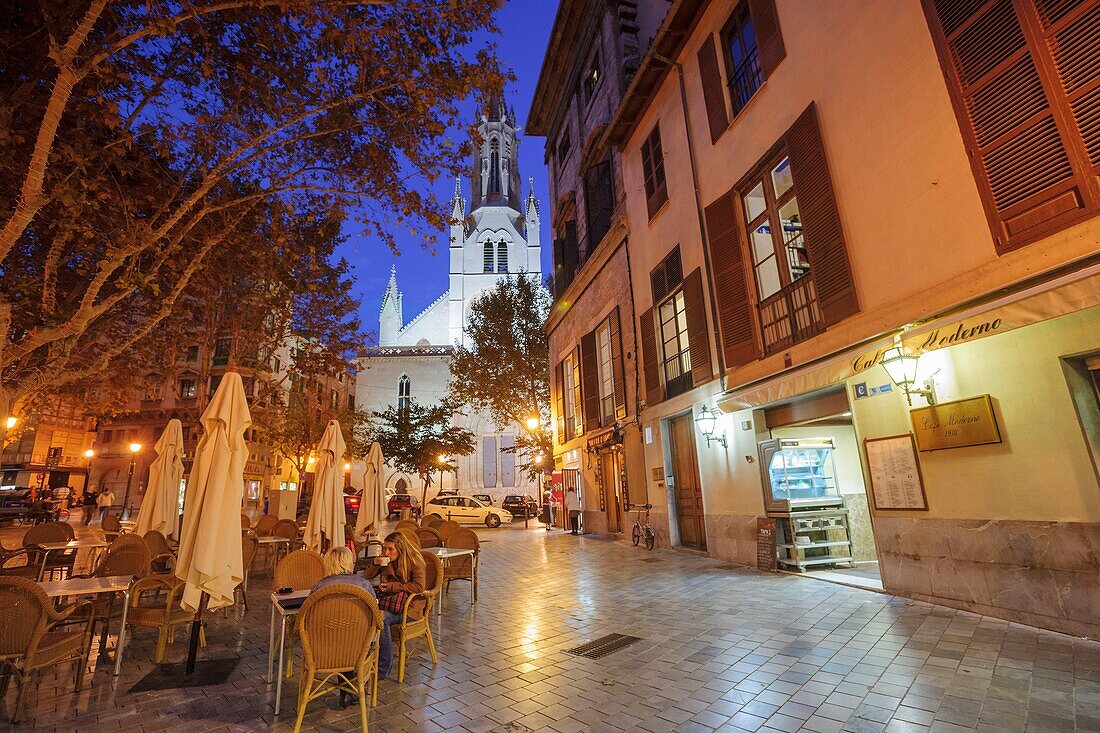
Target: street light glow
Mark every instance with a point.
(441, 458)
(12, 420)
(135, 447)
(89, 453)
(347, 466)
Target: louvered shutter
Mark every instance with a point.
(618, 372)
(650, 367)
(825, 247)
(559, 383)
(1030, 161)
(769, 37)
(590, 382)
(507, 461)
(489, 461)
(713, 96)
(578, 401)
(653, 168)
(730, 284)
(599, 201)
(698, 335)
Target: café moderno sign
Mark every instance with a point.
(955, 424)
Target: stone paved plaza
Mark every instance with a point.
(722, 648)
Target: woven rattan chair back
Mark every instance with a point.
(246, 522)
(433, 575)
(23, 614)
(287, 528)
(156, 542)
(462, 567)
(446, 529)
(265, 524)
(110, 523)
(406, 524)
(411, 536)
(429, 537)
(337, 625)
(127, 555)
(432, 521)
(249, 545)
(300, 570)
(48, 532)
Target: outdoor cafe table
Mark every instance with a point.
(97, 586)
(284, 606)
(443, 553)
(48, 547)
(275, 543)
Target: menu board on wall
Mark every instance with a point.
(895, 473)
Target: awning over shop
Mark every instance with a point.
(1052, 298)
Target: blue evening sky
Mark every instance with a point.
(422, 275)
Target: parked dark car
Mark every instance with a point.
(520, 506)
(398, 502)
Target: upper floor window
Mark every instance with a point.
(215, 381)
(599, 201)
(565, 143)
(653, 170)
(221, 351)
(591, 78)
(404, 392)
(742, 57)
(675, 354)
(777, 246)
(502, 256)
(606, 366)
(192, 353)
(488, 257)
(187, 389)
(569, 397)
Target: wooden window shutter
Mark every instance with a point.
(650, 368)
(1027, 110)
(590, 382)
(559, 383)
(769, 37)
(735, 320)
(618, 371)
(825, 247)
(578, 394)
(695, 311)
(713, 96)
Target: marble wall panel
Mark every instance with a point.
(859, 527)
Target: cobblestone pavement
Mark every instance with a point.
(722, 648)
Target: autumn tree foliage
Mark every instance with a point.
(155, 152)
(505, 370)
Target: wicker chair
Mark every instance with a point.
(265, 524)
(161, 557)
(300, 570)
(410, 534)
(339, 626)
(429, 537)
(410, 628)
(9, 554)
(246, 522)
(127, 555)
(111, 527)
(464, 567)
(446, 529)
(164, 616)
(406, 524)
(28, 641)
(249, 545)
(287, 529)
(431, 521)
(57, 562)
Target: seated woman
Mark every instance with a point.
(402, 569)
(340, 568)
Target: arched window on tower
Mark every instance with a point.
(494, 166)
(488, 257)
(404, 392)
(502, 256)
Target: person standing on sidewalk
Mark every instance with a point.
(573, 510)
(105, 500)
(88, 504)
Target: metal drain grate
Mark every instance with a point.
(603, 646)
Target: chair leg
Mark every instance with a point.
(431, 644)
(303, 701)
(401, 660)
(361, 689)
(162, 642)
(21, 699)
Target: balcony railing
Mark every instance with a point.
(745, 80)
(790, 315)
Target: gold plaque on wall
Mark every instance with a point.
(956, 424)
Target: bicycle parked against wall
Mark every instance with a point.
(641, 526)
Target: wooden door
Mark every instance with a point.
(610, 477)
(685, 474)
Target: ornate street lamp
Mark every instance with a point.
(135, 448)
(707, 421)
(902, 368)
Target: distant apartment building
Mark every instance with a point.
(48, 449)
(864, 275)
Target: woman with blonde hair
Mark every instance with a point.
(340, 568)
(401, 567)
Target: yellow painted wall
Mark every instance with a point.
(1042, 470)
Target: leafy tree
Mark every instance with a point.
(505, 371)
(142, 140)
(413, 437)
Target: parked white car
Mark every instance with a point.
(467, 510)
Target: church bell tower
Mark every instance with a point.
(496, 163)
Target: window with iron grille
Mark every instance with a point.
(675, 354)
(653, 170)
(404, 392)
(742, 57)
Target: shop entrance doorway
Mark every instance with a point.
(826, 420)
(611, 479)
(685, 473)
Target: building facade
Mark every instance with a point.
(810, 211)
(499, 236)
(51, 450)
(594, 51)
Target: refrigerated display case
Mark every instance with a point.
(801, 493)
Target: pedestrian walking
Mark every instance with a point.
(573, 510)
(105, 500)
(88, 504)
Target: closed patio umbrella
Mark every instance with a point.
(371, 506)
(209, 559)
(325, 524)
(160, 507)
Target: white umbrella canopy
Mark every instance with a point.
(160, 507)
(371, 506)
(209, 559)
(326, 511)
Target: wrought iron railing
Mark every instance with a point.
(745, 80)
(790, 315)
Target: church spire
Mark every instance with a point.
(389, 316)
(458, 204)
(496, 178)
